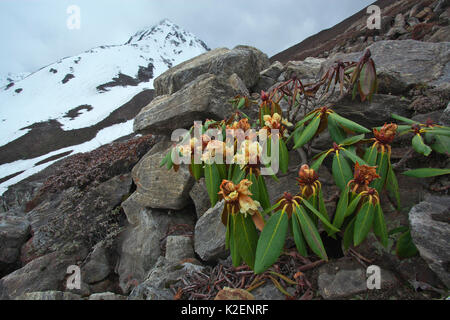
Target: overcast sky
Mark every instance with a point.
(34, 33)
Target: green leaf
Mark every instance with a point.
(298, 237)
(441, 144)
(371, 155)
(197, 170)
(348, 234)
(234, 247)
(254, 188)
(336, 133)
(316, 165)
(341, 208)
(363, 223)
(212, 180)
(420, 146)
(310, 232)
(405, 246)
(352, 206)
(322, 218)
(284, 156)
(247, 238)
(379, 226)
(271, 241)
(342, 173)
(352, 140)
(438, 131)
(392, 186)
(308, 133)
(348, 123)
(241, 103)
(383, 164)
(426, 172)
(263, 194)
(306, 118)
(401, 229)
(403, 119)
(323, 210)
(238, 174)
(353, 157)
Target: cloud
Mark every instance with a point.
(33, 33)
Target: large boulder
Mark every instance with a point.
(209, 241)
(245, 61)
(14, 231)
(157, 187)
(140, 246)
(206, 96)
(430, 231)
(410, 61)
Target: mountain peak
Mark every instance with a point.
(168, 33)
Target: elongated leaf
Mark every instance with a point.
(403, 119)
(341, 208)
(348, 123)
(336, 133)
(352, 140)
(264, 199)
(405, 247)
(212, 180)
(392, 186)
(310, 232)
(238, 174)
(420, 146)
(308, 133)
(298, 236)
(296, 133)
(247, 238)
(306, 118)
(342, 173)
(323, 218)
(271, 241)
(352, 206)
(348, 234)
(426, 172)
(371, 155)
(363, 222)
(382, 170)
(441, 144)
(379, 226)
(316, 165)
(353, 157)
(284, 156)
(234, 247)
(197, 170)
(438, 131)
(254, 188)
(323, 210)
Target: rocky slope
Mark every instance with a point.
(401, 19)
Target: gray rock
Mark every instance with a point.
(140, 245)
(412, 62)
(49, 295)
(375, 113)
(158, 187)
(430, 231)
(106, 296)
(398, 28)
(146, 292)
(46, 273)
(206, 96)
(14, 231)
(97, 268)
(179, 248)
(199, 196)
(264, 83)
(209, 240)
(307, 69)
(445, 117)
(268, 291)
(246, 62)
(344, 278)
(273, 71)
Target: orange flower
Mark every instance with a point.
(242, 124)
(237, 200)
(308, 181)
(363, 176)
(386, 134)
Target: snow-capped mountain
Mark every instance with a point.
(80, 91)
(11, 77)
